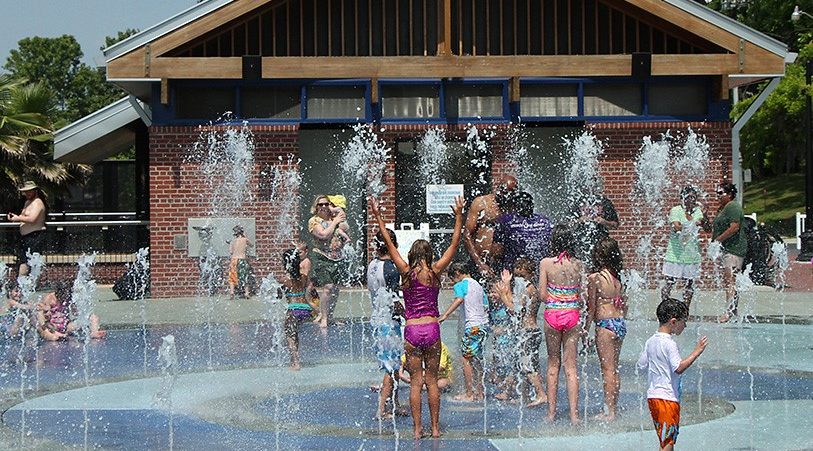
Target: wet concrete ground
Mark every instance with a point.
(746, 391)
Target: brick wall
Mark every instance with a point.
(103, 273)
(622, 143)
(176, 195)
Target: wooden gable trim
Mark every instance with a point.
(125, 65)
(681, 19)
(628, 8)
(205, 24)
(745, 57)
(450, 67)
(457, 32)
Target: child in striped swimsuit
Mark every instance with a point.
(300, 307)
(560, 280)
(607, 307)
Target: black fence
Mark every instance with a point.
(114, 236)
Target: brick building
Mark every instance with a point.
(299, 73)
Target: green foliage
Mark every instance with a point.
(129, 154)
(91, 91)
(771, 17)
(776, 200)
(61, 90)
(26, 149)
(77, 88)
(53, 62)
(772, 142)
(120, 36)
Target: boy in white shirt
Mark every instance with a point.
(470, 293)
(664, 367)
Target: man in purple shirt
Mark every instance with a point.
(522, 233)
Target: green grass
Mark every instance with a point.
(776, 200)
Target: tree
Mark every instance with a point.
(90, 91)
(772, 141)
(120, 36)
(26, 147)
(771, 17)
(53, 62)
(79, 89)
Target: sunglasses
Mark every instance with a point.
(323, 204)
(720, 193)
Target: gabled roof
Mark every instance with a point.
(209, 6)
(162, 28)
(103, 133)
(208, 41)
(736, 28)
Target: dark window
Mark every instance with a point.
(474, 101)
(677, 99)
(111, 188)
(410, 101)
(192, 102)
(271, 102)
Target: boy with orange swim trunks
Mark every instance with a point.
(663, 365)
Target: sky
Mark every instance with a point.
(89, 21)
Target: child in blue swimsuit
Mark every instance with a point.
(607, 306)
(300, 307)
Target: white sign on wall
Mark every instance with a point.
(217, 233)
(440, 198)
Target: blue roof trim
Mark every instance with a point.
(156, 31)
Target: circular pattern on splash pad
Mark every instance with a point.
(349, 411)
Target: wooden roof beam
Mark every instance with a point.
(449, 67)
(682, 20)
(444, 28)
(204, 25)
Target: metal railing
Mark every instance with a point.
(115, 237)
(800, 227)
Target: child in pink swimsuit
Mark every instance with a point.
(421, 285)
(560, 289)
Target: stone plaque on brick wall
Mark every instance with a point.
(217, 233)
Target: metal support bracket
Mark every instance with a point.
(147, 58)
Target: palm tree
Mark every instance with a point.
(26, 142)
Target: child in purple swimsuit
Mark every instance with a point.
(606, 305)
(421, 285)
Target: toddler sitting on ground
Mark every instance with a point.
(57, 314)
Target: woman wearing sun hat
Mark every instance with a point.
(32, 224)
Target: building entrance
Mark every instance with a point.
(467, 166)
